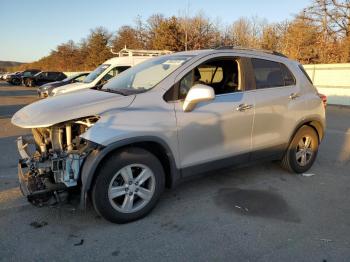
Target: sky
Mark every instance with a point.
(30, 29)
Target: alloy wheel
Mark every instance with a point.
(304, 150)
(131, 188)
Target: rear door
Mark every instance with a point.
(276, 98)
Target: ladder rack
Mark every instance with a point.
(136, 52)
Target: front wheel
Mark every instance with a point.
(30, 83)
(302, 151)
(128, 185)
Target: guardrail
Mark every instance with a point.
(333, 80)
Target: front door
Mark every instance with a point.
(216, 133)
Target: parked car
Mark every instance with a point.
(4, 76)
(167, 119)
(44, 78)
(17, 79)
(112, 67)
(14, 78)
(28, 74)
(46, 89)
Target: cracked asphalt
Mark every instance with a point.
(258, 213)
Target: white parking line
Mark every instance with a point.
(336, 131)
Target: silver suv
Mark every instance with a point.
(166, 119)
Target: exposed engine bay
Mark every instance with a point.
(51, 159)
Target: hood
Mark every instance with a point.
(53, 84)
(54, 110)
(50, 84)
(72, 86)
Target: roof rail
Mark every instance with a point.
(135, 52)
(251, 49)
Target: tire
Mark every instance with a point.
(16, 82)
(301, 148)
(29, 83)
(115, 174)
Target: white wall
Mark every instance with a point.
(333, 80)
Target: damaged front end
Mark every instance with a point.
(51, 160)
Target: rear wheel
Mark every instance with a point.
(128, 185)
(29, 83)
(302, 151)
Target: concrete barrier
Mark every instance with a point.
(333, 80)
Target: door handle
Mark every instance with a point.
(244, 107)
(293, 96)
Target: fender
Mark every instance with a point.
(92, 161)
(316, 123)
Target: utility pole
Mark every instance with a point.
(186, 24)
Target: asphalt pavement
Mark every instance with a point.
(258, 213)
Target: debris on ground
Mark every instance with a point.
(308, 175)
(326, 240)
(243, 208)
(80, 243)
(37, 224)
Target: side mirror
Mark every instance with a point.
(198, 93)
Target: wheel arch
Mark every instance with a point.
(154, 145)
(316, 124)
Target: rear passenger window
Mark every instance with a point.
(288, 77)
(271, 74)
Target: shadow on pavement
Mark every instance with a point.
(7, 111)
(30, 92)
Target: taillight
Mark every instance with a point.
(324, 99)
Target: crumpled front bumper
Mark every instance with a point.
(38, 191)
(28, 189)
(23, 180)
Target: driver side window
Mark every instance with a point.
(114, 72)
(221, 74)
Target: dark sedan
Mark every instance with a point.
(14, 78)
(44, 90)
(45, 77)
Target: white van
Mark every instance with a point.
(111, 68)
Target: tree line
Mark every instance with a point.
(320, 33)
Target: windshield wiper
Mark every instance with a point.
(114, 91)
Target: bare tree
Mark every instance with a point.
(332, 15)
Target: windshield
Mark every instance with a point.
(147, 74)
(71, 77)
(94, 74)
(27, 73)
